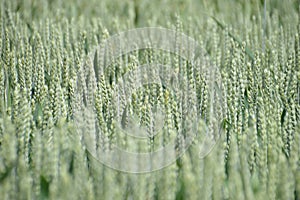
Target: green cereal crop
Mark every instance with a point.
(44, 67)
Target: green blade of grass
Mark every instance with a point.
(238, 40)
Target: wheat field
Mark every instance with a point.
(44, 46)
